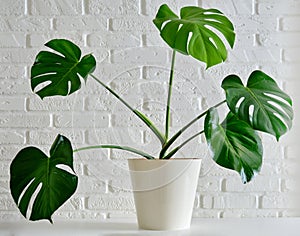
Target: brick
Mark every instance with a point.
(12, 71)
(292, 151)
(7, 152)
(125, 120)
(100, 103)
(12, 40)
(75, 203)
(203, 213)
(81, 120)
(100, 202)
(289, 185)
(113, 40)
(14, 87)
(288, 7)
(25, 24)
(271, 168)
(12, 137)
(113, 9)
(280, 70)
(4, 169)
(263, 55)
(186, 72)
(249, 213)
(12, 103)
(243, 70)
(139, 24)
(89, 185)
(245, 24)
(273, 150)
(4, 186)
(231, 7)
(290, 213)
(86, 216)
(209, 184)
(153, 40)
(59, 103)
(277, 201)
(16, 56)
(39, 39)
(18, 120)
(108, 72)
(101, 54)
(12, 8)
(122, 136)
(50, 8)
(47, 137)
(151, 8)
(291, 55)
(148, 56)
(85, 23)
(290, 23)
(259, 184)
(207, 202)
(234, 201)
(277, 39)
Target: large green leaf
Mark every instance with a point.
(261, 103)
(234, 144)
(58, 73)
(196, 33)
(32, 171)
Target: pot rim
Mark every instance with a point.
(171, 159)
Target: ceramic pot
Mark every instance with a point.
(164, 192)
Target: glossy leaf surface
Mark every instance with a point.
(234, 144)
(261, 103)
(37, 178)
(197, 32)
(58, 73)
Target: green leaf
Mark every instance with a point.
(234, 144)
(32, 171)
(58, 73)
(196, 33)
(261, 103)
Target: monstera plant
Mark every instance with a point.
(259, 105)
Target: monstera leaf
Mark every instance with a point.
(234, 144)
(261, 103)
(33, 172)
(196, 32)
(58, 73)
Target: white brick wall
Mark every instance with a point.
(135, 61)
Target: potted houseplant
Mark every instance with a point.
(260, 105)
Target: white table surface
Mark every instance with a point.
(124, 227)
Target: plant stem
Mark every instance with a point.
(169, 96)
(140, 115)
(175, 136)
(125, 148)
(181, 145)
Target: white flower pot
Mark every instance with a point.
(164, 192)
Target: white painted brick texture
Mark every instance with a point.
(134, 61)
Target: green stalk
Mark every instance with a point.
(169, 96)
(140, 115)
(181, 145)
(124, 148)
(175, 136)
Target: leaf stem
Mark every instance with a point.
(181, 145)
(169, 96)
(140, 115)
(175, 136)
(125, 148)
